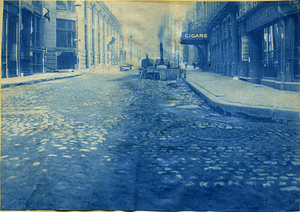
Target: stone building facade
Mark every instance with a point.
(22, 38)
(98, 41)
(55, 35)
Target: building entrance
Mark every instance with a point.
(66, 60)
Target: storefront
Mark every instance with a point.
(10, 40)
(22, 51)
(269, 44)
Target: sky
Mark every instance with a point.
(142, 20)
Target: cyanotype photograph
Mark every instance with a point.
(150, 106)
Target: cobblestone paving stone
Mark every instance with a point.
(103, 141)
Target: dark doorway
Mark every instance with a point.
(66, 60)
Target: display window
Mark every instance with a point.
(270, 47)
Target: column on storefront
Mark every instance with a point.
(289, 40)
(95, 34)
(81, 36)
(235, 42)
(107, 40)
(100, 37)
(218, 51)
(115, 46)
(112, 45)
(224, 47)
(92, 35)
(89, 34)
(98, 34)
(228, 47)
(103, 39)
(118, 46)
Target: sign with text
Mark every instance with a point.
(194, 38)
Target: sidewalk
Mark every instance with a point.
(243, 98)
(36, 78)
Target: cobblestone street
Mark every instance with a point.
(117, 142)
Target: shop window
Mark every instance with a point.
(65, 33)
(244, 48)
(297, 49)
(270, 62)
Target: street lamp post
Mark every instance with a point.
(77, 4)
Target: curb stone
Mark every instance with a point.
(10, 85)
(238, 109)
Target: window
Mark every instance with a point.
(65, 5)
(35, 31)
(65, 33)
(244, 48)
(37, 63)
(270, 62)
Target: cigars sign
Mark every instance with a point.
(193, 38)
(200, 35)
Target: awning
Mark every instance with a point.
(194, 38)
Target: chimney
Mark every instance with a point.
(161, 54)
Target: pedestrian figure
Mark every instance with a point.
(185, 64)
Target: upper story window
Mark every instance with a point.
(38, 2)
(65, 5)
(36, 31)
(65, 33)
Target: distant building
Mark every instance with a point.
(60, 35)
(173, 51)
(99, 38)
(134, 47)
(190, 49)
(255, 41)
